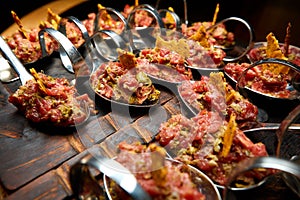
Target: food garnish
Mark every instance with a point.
(20, 25)
(229, 135)
(126, 58)
(104, 16)
(201, 36)
(216, 14)
(273, 49)
(169, 19)
(53, 20)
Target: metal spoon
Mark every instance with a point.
(291, 181)
(112, 12)
(79, 64)
(177, 23)
(114, 170)
(25, 76)
(262, 162)
(145, 38)
(240, 83)
(62, 28)
(250, 41)
(7, 74)
(267, 126)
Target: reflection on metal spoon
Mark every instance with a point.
(7, 74)
(292, 181)
(24, 75)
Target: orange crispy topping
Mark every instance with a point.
(20, 25)
(38, 80)
(229, 135)
(215, 14)
(169, 18)
(127, 59)
(100, 6)
(273, 51)
(201, 36)
(104, 14)
(52, 20)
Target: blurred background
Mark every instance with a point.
(263, 15)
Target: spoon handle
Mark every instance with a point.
(250, 41)
(284, 126)
(177, 22)
(261, 162)
(16, 63)
(67, 63)
(80, 66)
(119, 15)
(272, 126)
(117, 172)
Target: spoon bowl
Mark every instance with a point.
(262, 163)
(275, 102)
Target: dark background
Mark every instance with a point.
(263, 15)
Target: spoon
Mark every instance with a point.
(202, 181)
(177, 23)
(262, 162)
(25, 76)
(291, 181)
(110, 11)
(240, 83)
(79, 64)
(114, 170)
(62, 28)
(106, 43)
(267, 126)
(145, 38)
(250, 42)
